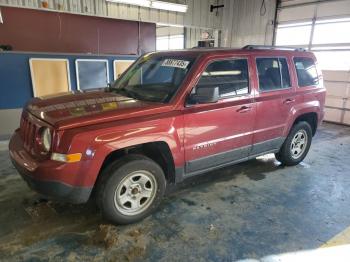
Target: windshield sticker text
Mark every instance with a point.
(175, 63)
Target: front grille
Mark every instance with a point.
(28, 132)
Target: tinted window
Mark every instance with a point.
(231, 76)
(273, 73)
(306, 71)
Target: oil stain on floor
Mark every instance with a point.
(250, 210)
(256, 176)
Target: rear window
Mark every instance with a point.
(273, 73)
(306, 71)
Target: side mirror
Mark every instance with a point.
(108, 87)
(204, 95)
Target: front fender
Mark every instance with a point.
(103, 142)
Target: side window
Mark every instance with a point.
(273, 73)
(231, 76)
(306, 71)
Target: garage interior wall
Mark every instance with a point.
(323, 27)
(247, 22)
(16, 82)
(242, 22)
(197, 15)
(239, 23)
(24, 30)
(60, 34)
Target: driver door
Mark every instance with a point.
(217, 134)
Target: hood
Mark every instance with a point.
(73, 109)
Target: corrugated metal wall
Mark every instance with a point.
(247, 22)
(198, 14)
(241, 21)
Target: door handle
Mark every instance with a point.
(244, 109)
(288, 101)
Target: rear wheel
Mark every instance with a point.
(296, 145)
(130, 189)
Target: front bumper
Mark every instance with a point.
(38, 174)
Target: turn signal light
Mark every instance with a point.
(69, 158)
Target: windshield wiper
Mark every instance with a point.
(131, 94)
(124, 91)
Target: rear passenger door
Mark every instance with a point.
(220, 133)
(274, 101)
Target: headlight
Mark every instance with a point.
(46, 139)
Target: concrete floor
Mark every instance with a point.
(250, 210)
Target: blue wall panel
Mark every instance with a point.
(15, 80)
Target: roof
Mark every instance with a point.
(244, 50)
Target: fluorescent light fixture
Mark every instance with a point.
(284, 25)
(328, 48)
(169, 6)
(172, 25)
(154, 4)
(337, 20)
(144, 3)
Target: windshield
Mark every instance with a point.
(154, 77)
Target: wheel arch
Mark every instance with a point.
(158, 151)
(311, 118)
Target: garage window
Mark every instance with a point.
(231, 76)
(306, 71)
(294, 34)
(172, 42)
(273, 73)
(330, 39)
(331, 32)
(333, 60)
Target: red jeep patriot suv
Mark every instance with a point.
(170, 116)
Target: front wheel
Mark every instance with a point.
(130, 189)
(296, 145)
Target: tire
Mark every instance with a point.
(130, 189)
(293, 152)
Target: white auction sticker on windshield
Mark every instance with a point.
(176, 63)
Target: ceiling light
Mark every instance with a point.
(169, 6)
(144, 3)
(154, 4)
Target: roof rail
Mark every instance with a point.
(267, 47)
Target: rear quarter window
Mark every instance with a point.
(306, 71)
